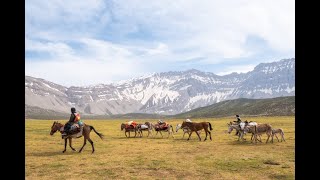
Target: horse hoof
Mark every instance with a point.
(63, 151)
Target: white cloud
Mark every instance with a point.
(166, 32)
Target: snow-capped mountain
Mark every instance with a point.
(164, 93)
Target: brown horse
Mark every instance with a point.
(130, 129)
(85, 133)
(197, 127)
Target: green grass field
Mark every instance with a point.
(118, 157)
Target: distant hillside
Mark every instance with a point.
(137, 116)
(33, 112)
(281, 106)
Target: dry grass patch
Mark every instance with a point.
(117, 157)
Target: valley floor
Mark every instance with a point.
(118, 157)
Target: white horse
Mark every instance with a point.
(147, 126)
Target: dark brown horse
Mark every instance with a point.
(196, 127)
(85, 133)
(129, 129)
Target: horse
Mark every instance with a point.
(240, 132)
(185, 130)
(196, 127)
(129, 129)
(85, 133)
(259, 129)
(275, 132)
(236, 127)
(169, 129)
(147, 126)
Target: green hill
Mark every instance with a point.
(280, 106)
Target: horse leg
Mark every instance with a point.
(268, 138)
(277, 137)
(260, 138)
(65, 145)
(199, 136)
(70, 144)
(282, 135)
(91, 142)
(189, 135)
(240, 135)
(84, 143)
(161, 134)
(205, 130)
(151, 133)
(209, 135)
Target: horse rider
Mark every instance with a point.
(160, 121)
(74, 118)
(238, 119)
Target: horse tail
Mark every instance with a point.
(99, 134)
(210, 126)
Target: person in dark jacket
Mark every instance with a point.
(72, 120)
(237, 121)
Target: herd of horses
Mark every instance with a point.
(188, 127)
(256, 130)
(242, 128)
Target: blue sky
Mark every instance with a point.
(76, 43)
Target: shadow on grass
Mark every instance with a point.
(132, 137)
(247, 142)
(52, 153)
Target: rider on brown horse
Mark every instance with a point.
(74, 118)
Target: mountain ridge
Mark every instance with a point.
(165, 93)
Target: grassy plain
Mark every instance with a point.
(118, 157)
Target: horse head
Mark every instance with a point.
(122, 126)
(230, 128)
(178, 127)
(55, 127)
(233, 126)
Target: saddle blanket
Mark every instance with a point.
(161, 127)
(143, 126)
(75, 133)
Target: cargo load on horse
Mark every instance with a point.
(161, 125)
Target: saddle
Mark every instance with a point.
(75, 131)
(130, 126)
(159, 127)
